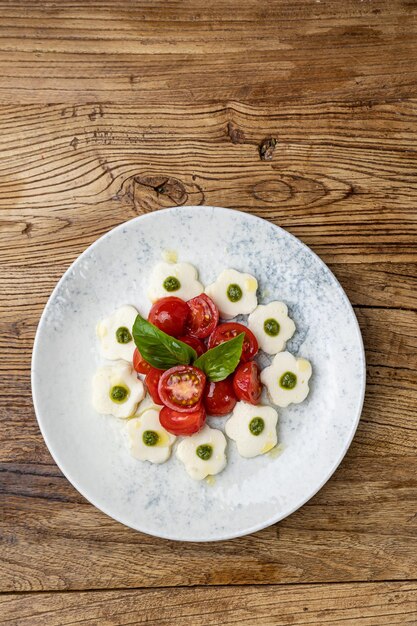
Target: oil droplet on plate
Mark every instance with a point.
(170, 256)
(276, 451)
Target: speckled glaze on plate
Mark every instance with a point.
(249, 494)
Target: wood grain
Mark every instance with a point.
(341, 178)
(224, 50)
(110, 110)
(383, 604)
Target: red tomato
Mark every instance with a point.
(246, 382)
(151, 383)
(219, 398)
(227, 331)
(204, 316)
(195, 343)
(170, 315)
(181, 387)
(179, 423)
(139, 364)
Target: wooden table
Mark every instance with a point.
(112, 110)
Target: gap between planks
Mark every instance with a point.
(228, 585)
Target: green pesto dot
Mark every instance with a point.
(234, 293)
(204, 451)
(271, 327)
(256, 426)
(288, 380)
(119, 394)
(171, 284)
(150, 438)
(123, 335)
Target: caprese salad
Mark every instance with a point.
(188, 361)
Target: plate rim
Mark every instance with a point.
(272, 519)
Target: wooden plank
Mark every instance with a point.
(198, 51)
(379, 285)
(345, 605)
(342, 178)
(390, 337)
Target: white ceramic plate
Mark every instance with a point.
(249, 494)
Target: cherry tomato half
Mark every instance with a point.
(227, 331)
(179, 423)
(246, 382)
(181, 387)
(219, 398)
(204, 316)
(139, 364)
(170, 315)
(195, 343)
(151, 382)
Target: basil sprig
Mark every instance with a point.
(219, 362)
(159, 349)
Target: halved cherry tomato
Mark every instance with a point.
(227, 331)
(139, 364)
(170, 315)
(151, 382)
(246, 382)
(204, 316)
(181, 387)
(219, 398)
(179, 423)
(195, 343)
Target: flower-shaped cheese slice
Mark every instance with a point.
(203, 454)
(271, 326)
(254, 428)
(115, 334)
(174, 279)
(117, 390)
(234, 293)
(148, 440)
(286, 379)
(146, 404)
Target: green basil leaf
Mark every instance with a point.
(159, 349)
(219, 362)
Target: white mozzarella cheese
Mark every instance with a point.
(271, 326)
(174, 279)
(117, 390)
(148, 440)
(286, 379)
(203, 454)
(254, 428)
(234, 293)
(115, 334)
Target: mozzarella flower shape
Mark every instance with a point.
(174, 279)
(286, 379)
(254, 428)
(234, 293)
(271, 326)
(115, 334)
(117, 390)
(148, 440)
(203, 454)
